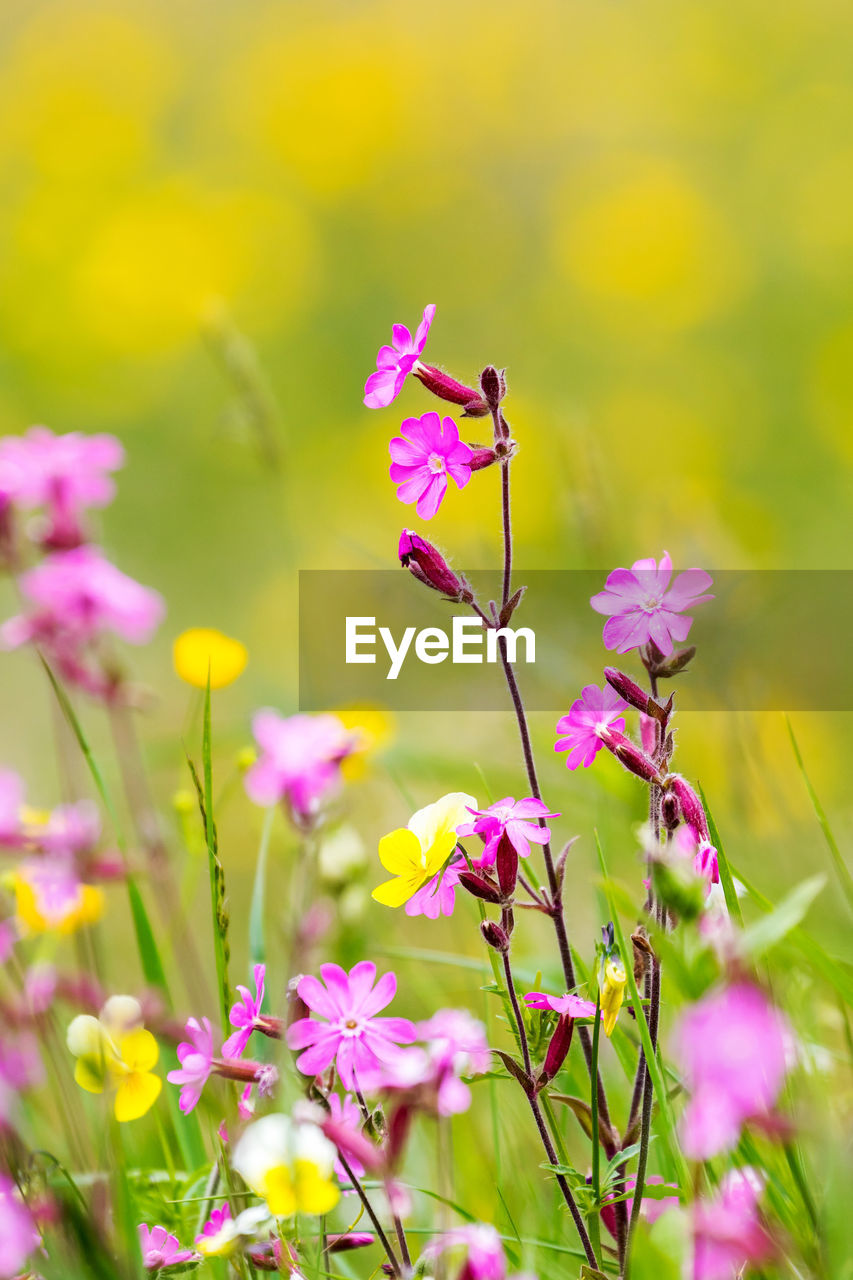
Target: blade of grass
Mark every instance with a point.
(841, 869)
(257, 939)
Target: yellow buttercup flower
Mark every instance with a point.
(612, 987)
(114, 1052)
(289, 1164)
(417, 852)
(203, 649)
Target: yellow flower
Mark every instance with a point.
(203, 649)
(289, 1164)
(612, 986)
(45, 904)
(115, 1052)
(417, 852)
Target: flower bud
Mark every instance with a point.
(494, 935)
(630, 755)
(669, 812)
(558, 1047)
(348, 1240)
(482, 456)
(447, 388)
(479, 886)
(429, 566)
(507, 865)
(629, 690)
(493, 386)
(690, 805)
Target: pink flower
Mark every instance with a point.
(428, 451)
(456, 1046)
(160, 1249)
(11, 803)
(196, 1058)
(395, 363)
(300, 760)
(570, 1005)
(77, 595)
(728, 1233)
(650, 1208)
(438, 896)
(18, 1235)
(345, 1113)
(245, 1014)
(65, 474)
(71, 829)
(732, 1048)
(593, 717)
(643, 606)
(515, 818)
(348, 1032)
(484, 1252)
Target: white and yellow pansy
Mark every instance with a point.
(289, 1164)
(115, 1053)
(417, 852)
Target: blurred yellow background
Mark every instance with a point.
(642, 209)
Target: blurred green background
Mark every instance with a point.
(642, 209)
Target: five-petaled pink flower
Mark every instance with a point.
(456, 1046)
(728, 1233)
(300, 759)
(244, 1014)
(65, 474)
(196, 1058)
(643, 605)
(570, 1006)
(517, 819)
(733, 1049)
(161, 1249)
(395, 363)
(428, 451)
(593, 717)
(347, 1031)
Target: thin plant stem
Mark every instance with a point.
(594, 1229)
(516, 1010)
(371, 1213)
(507, 526)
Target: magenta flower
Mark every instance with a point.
(395, 363)
(347, 1031)
(299, 761)
(18, 1234)
(643, 606)
(569, 1005)
(484, 1252)
(733, 1050)
(650, 1209)
(78, 594)
(160, 1249)
(515, 818)
(456, 1046)
(728, 1233)
(11, 803)
(196, 1058)
(71, 829)
(65, 474)
(428, 451)
(345, 1113)
(593, 717)
(438, 896)
(244, 1015)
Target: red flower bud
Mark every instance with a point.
(507, 864)
(558, 1047)
(479, 886)
(690, 805)
(481, 457)
(447, 388)
(631, 756)
(494, 935)
(429, 567)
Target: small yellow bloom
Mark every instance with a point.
(115, 1052)
(203, 649)
(417, 852)
(612, 986)
(289, 1164)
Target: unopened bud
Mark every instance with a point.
(507, 865)
(479, 886)
(558, 1047)
(493, 386)
(494, 935)
(636, 696)
(669, 812)
(481, 456)
(631, 756)
(429, 566)
(348, 1240)
(447, 388)
(690, 806)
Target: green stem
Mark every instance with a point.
(594, 1226)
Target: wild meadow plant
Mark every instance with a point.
(690, 1164)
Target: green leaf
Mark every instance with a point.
(842, 870)
(763, 934)
(257, 941)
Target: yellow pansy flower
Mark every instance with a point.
(289, 1164)
(114, 1052)
(612, 986)
(417, 852)
(203, 649)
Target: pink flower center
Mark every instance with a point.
(435, 462)
(652, 604)
(351, 1028)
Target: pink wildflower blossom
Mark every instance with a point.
(728, 1233)
(244, 1014)
(733, 1051)
(644, 606)
(515, 818)
(570, 1005)
(63, 473)
(650, 1208)
(438, 896)
(456, 1046)
(345, 1112)
(11, 802)
(428, 451)
(18, 1234)
(300, 759)
(395, 363)
(484, 1252)
(347, 1031)
(71, 829)
(196, 1058)
(160, 1249)
(593, 718)
(76, 596)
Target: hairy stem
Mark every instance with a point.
(371, 1213)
